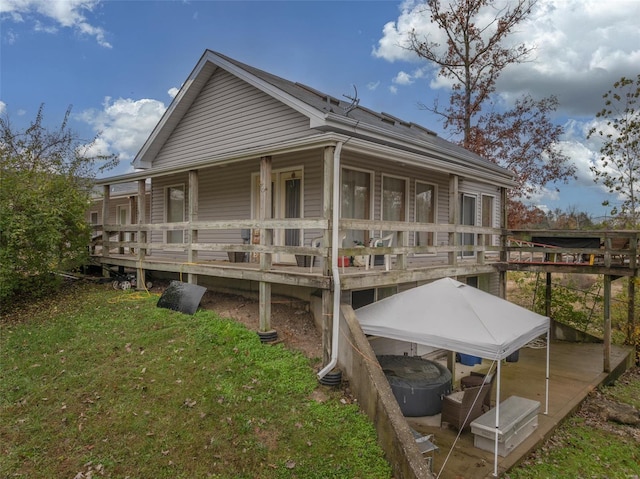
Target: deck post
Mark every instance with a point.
(266, 239)
(192, 234)
(106, 193)
(401, 259)
(142, 235)
(265, 307)
(504, 241)
(631, 295)
(327, 324)
(266, 234)
(454, 217)
(607, 323)
(327, 206)
(547, 302)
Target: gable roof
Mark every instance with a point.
(326, 114)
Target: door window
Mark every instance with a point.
(425, 211)
(175, 212)
(356, 202)
(468, 218)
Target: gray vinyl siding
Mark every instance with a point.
(440, 180)
(230, 115)
(226, 193)
(114, 202)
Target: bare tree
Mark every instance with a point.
(619, 168)
(522, 138)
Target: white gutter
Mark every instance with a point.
(335, 217)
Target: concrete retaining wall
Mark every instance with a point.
(370, 386)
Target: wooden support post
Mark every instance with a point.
(451, 363)
(401, 259)
(266, 234)
(106, 193)
(327, 325)
(327, 206)
(547, 305)
(265, 306)
(504, 241)
(607, 323)
(454, 216)
(142, 235)
(192, 233)
(266, 239)
(631, 311)
(547, 296)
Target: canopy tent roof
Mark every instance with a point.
(454, 316)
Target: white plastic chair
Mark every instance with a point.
(317, 243)
(385, 241)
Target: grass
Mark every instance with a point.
(103, 383)
(579, 449)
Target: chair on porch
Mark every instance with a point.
(478, 379)
(461, 408)
(318, 242)
(384, 241)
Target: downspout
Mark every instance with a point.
(335, 221)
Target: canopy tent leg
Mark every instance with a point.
(546, 386)
(495, 452)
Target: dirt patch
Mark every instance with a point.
(598, 409)
(295, 325)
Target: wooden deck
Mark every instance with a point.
(575, 370)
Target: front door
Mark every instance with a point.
(287, 203)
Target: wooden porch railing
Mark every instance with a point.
(113, 239)
(614, 248)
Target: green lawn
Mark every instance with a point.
(583, 449)
(104, 383)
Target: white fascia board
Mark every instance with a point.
(188, 91)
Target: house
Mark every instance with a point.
(250, 176)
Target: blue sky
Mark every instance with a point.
(119, 63)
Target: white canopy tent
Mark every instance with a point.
(454, 316)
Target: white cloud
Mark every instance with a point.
(173, 92)
(372, 86)
(393, 89)
(403, 78)
(580, 48)
(3, 107)
(65, 14)
(123, 125)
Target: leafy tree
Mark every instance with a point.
(619, 168)
(45, 184)
(522, 138)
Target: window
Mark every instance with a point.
(394, 193)
(425, 211)
(488, 216)
(468, 218)
(292, 207)
(356, 201)
(175, 212)
(93, 218)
